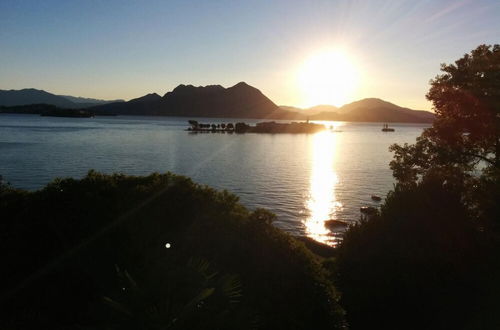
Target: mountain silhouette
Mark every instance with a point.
(376, 110)
(238, 101)
(89, 101)
(312, 110)
(33, 96)
(152, 97)
(29, 96)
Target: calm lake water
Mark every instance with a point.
(304, 178)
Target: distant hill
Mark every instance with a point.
(322, 108)
(376, 110)
(33, 96)
(368, 110)
(89, 101)
(147, 105)
(312, 110)
(238, 101)
(29, 96)
(370, 104)
(152, 97)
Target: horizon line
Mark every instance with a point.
(198, 86)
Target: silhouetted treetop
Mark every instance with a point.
(466, 131)
(466, 99)
(431, 254)
(462, 148)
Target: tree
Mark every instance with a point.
(462, 148)
(241, 127)
(466, 99)
(194, 124)
(466, 131)
(433, 248)
(420, 259)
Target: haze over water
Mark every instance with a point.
(304, 178)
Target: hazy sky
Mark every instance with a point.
(125, 49)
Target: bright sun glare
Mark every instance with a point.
(328, 77)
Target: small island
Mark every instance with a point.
(263, 127)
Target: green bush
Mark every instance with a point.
(62, 246)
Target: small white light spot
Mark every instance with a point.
(168, 245)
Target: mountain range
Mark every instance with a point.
(28, 96)
(238, 101)
(312, 110)
(89, 101)
(375, 110)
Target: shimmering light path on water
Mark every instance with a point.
(304, 178)
(322, 203)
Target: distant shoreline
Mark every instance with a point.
(215, 101)
(6, 110)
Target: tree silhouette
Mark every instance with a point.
(466, 131)
(436, 241)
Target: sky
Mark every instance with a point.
(125, 49)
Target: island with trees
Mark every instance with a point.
(263, 127)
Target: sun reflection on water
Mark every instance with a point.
(321, 202)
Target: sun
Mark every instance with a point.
(328, 77)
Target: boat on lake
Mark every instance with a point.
(386, 128)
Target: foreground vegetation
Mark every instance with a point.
(155, 252)
(422, 263)
(429, 260)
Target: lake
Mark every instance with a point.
(304, 178)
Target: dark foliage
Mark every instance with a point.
(429, 260)
(293, 127)
(462, 148)
(420, 264)
(92, 253)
